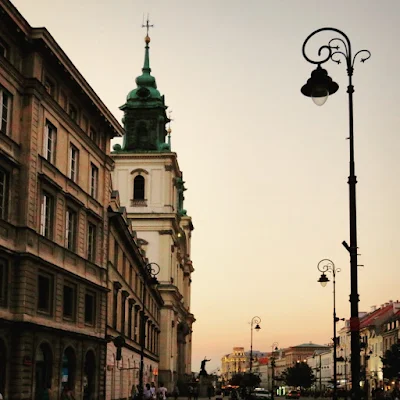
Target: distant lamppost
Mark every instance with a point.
(149, 277)
(319, 87)
(256, 321)
(323, 266)
(274, 347)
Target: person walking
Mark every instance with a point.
(176, 392)
(147, 392)
(162, 392)
(153, 390)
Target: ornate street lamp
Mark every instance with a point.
(318, 87)
(149, 277)
(323, 266)
(256, 321)
(274, 347)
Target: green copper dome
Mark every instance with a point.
(146, 83)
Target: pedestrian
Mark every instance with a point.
(190, 393)
(396, 392)
(162, 392)
(147, 392)
(134, 392)
(196, 393)
(209, 391)
(1, 396)
(153, 390)
(176, 392)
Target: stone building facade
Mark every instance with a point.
(54, 193)
(130, 293)
(151, 188)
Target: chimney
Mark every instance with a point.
(373, 308)
(396, 306)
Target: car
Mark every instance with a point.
(261, 393)
(293, 394)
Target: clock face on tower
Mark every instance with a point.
(143, 92)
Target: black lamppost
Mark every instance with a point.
(149, 277)
(323, 266)
(319, 87)
(274, 347)
(256, 321)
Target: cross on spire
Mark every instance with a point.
(147, 25)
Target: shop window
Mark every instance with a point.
(68, 369)
(43, 370)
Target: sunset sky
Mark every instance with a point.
(266, 169)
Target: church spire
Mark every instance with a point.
(145, 111)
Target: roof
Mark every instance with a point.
(312, 345)
(377, 316)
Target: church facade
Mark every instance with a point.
(151, 188)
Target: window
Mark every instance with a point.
(49, 142)
(4, 49)
(69, 291)
(85, 123)
(5, 108)
(94, 180)
(73, 112)
(93, 135)
(45, 293)
(138, 188)
(49, 86)
(91, 242)
(90, 308)
(116, 250)
(70, 229)
(73, 162)
(47, 215)
(3, 282)
(4, 194)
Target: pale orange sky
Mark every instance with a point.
(266, 169)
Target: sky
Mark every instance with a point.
(266, 169)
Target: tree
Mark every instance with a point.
(245, 380)
(300, 375)
(391, 362)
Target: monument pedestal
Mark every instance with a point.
(204, 382)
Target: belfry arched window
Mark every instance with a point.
(138, 188)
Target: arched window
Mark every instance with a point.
(68, 368)
(138, 188)
(89, 371)
(43, 370)
(3, 363)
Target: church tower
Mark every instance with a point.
(151, 188)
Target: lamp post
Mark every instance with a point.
(323, 266)
(256, 321)
(274, 347)
(319, 87)
(149, 277)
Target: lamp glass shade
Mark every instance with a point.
(319, 95)
(257, 327)
(323, 280)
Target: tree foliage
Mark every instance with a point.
(300, 375)
(245, 380)
(391, 362)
